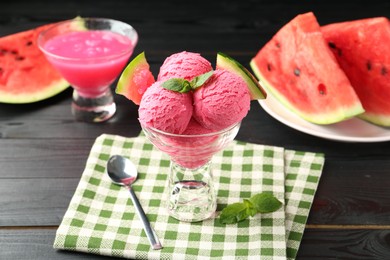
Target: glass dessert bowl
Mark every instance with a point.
(191, 193)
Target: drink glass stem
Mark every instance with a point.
(93, 109)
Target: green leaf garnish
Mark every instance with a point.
(233, 213)
(251, 210)
(177, 84)
(184, 86)
(260, 203)
(201, 79)
(265, 202)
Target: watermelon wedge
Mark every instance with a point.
(25, 74)
(135, 79)
(300, 70)
(361, 48)
(228, 63)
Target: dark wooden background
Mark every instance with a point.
(43, 150)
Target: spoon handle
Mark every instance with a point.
(150, 233)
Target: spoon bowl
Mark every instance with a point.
(123, 172)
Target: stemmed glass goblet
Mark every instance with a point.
(90, 53)
(191, 193)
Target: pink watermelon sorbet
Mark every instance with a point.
(192, 126)
(191, 151)
(165, 110)
(223, 101)
(186, 65)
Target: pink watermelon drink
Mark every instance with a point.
(89, 60)
(90, 53)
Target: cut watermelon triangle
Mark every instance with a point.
(135, 79)
(228, 63)
(299, 69)
(25, 74)
(361, 48)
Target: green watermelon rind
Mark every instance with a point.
(53, 89)
(380, 120)
(126, 86)
(228, 63)
(316, 118)
(126, 76)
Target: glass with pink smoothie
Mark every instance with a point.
(90, 53)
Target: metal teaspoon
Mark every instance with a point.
(123, 172)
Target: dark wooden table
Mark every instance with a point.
(43, 150)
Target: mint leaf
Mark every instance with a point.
(184, 86)
(177, 84)
(251, 210)
(265, 202)
(200, 80)
(260, 203)
(233, 213)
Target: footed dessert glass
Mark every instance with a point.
(89, 53)
(191, 194)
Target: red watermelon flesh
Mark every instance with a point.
(300, 70)
(25, 74)
(361, 48)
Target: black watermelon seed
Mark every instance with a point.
(368, 65)
(29, 43)
(19, 58)
(278, 45)
(384, 71)
(332, 45)
(269, 68)
(297, 72)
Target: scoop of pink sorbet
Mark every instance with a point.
(194, 128)
(165, 110)
(223, 101)
(186, 65)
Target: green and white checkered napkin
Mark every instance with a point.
(102, 220)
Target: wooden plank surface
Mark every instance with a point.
(343, 196)
(369, 244)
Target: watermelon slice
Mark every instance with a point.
(361, 48)
(25, 74)
(300, 70)
(135, 79)
(228, 63)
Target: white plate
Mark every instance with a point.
(352, 130)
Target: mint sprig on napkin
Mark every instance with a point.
(260, 203)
